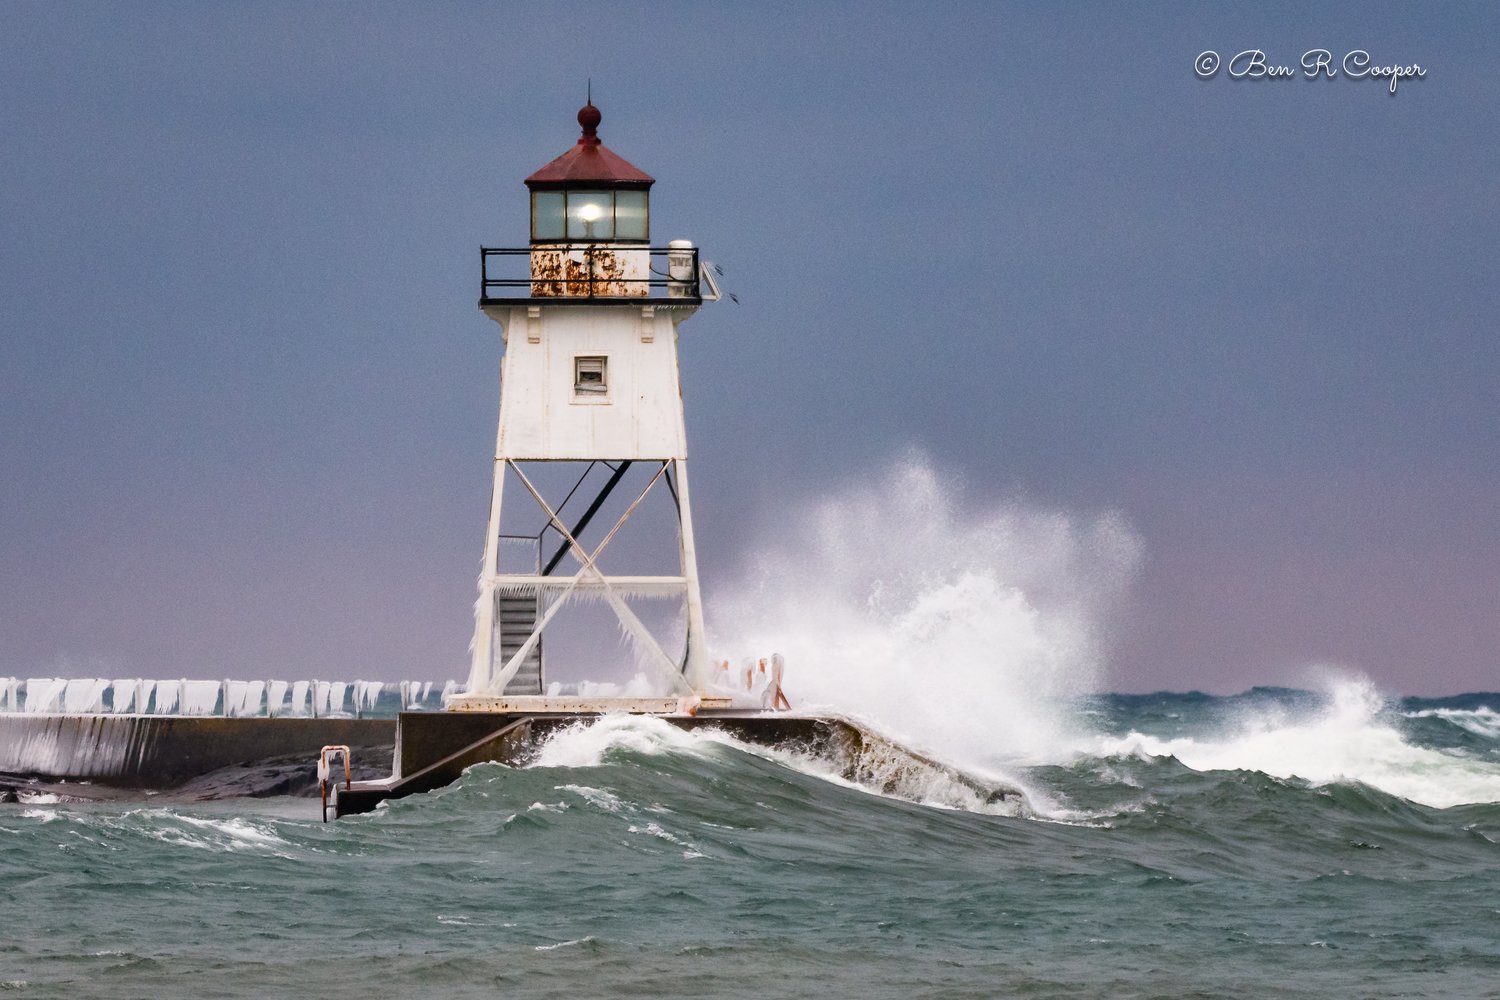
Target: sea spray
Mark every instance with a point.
(962, 625)
(1351, 735)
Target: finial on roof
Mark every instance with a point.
(589, 117)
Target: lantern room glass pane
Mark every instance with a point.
(547, 215)
(630, 216)
(591, 215)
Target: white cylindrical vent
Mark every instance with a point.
(680, 259)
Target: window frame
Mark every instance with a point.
(568, 215)
(585, 392)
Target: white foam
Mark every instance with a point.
(1480, 721)
(208, 833)
(38, 798)
(598, 797)
(564, 944)
(966, 625)
(654, 829)
(1347, 742)
(586, 744)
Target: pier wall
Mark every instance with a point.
(140, 751)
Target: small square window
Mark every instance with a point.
(589, 376)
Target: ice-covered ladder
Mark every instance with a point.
(518, 615)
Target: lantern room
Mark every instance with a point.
(589, 194)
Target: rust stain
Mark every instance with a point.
(562, 272)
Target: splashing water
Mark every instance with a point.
(1352, 738)
(961, 626)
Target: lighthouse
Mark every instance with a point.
(591, 432)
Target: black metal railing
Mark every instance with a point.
(597, 272)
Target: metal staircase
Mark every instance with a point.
(518, 615)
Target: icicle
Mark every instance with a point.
(337, 694)
(84, 696)
(168, 697)
(234, 697)
(301, 698)
(275, 698)
(200, 697)
(372, 694)
(244, 699)
(123, 694)
(44, 693)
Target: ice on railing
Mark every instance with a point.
(230, 698)
(10, 694)
(124, 694)
(414, 694)
(45, 694)
(84, 696)
(367, 694)
(167, 693)
(199, 697)
(328, 697)
(244, 699)
(276, 698)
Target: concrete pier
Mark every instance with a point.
(434, 749)
(161, 752)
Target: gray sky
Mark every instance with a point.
(247, 402)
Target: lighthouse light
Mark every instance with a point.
(591, 215)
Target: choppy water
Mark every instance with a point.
(1278, 843)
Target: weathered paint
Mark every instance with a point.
(598, 269)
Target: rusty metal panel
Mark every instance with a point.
(594, 271)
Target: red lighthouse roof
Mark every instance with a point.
(589, 162)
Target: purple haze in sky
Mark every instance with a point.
(247, 402)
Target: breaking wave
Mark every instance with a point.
(1352, 735)
(960, 625)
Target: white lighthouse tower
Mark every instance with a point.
(589, 315)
